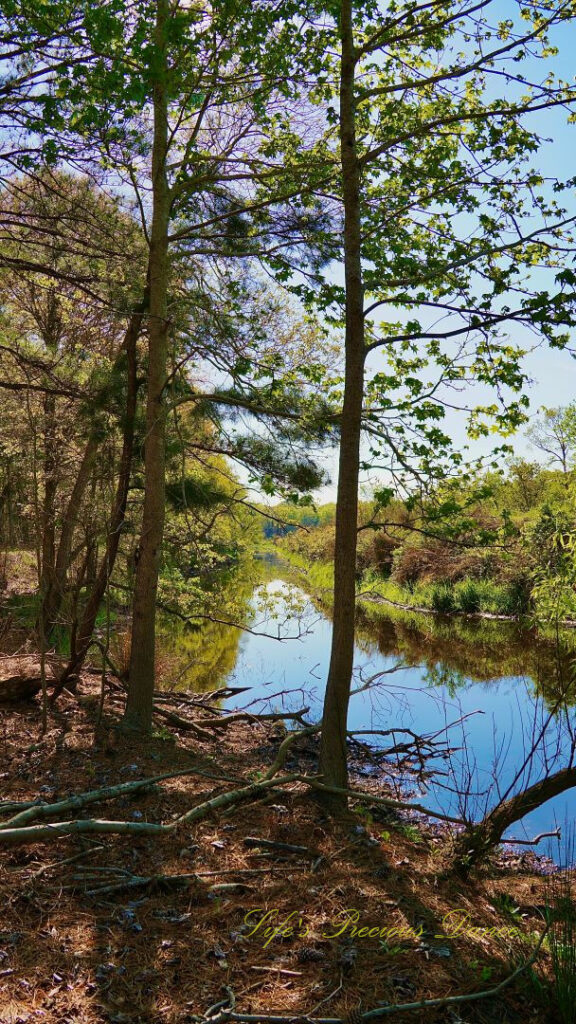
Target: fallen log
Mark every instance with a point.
(33, 811)
(16, 688)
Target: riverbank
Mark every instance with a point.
(470, 599)
(159, 928)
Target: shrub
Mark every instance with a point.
(443, 598)
(468, 597)
(516, 598)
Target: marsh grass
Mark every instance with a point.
(560, 914)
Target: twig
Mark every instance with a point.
(329, 997)
(245, 716)
(248, 871)
(68, 860)
(271, 844)
(556, 834)
(278, 970)
(164, 883)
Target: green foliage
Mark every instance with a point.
(410, 832)
(468, 596)
(561, 940)
(442, 598)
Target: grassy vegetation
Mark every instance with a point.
(503, 544)
(466, 596)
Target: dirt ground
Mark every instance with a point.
(355, 920)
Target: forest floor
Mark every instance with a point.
(155, 954)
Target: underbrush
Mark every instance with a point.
(467, 596)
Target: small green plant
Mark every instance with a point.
(410, 832)
(366, 815)
(560, 916)
(562, 945)
(390, 950)
(506, 905)
(162, 733)
(443, 598)
(485, 971)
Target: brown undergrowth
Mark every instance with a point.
(69, 954)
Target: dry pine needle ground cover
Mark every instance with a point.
(69, 953)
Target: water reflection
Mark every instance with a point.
(411, 672)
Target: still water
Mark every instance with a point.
(498, 682)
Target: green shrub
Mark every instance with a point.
(443, 598)
(516, 598)
(468, 596)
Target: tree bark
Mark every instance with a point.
(88, 619)
(56, 585)
(50, 480)
(139, 704)
(333, 751)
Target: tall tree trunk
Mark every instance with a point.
(138, 713)
(86, 627)
(333, 754)
(53, 599)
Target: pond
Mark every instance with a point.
(499, 682)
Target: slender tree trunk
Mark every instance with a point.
(138, 713)
(48, 524)
(86, 627)
(57, 583)
(333, 753)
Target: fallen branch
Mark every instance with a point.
(183, 723)
(284, 748)
(227, 799)
(556, 834)
(245, 716)
(270, 844)
(55, 830)
(158, 883)
(197, 700)
(384, 800)
(68, 860)
(73, 803)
